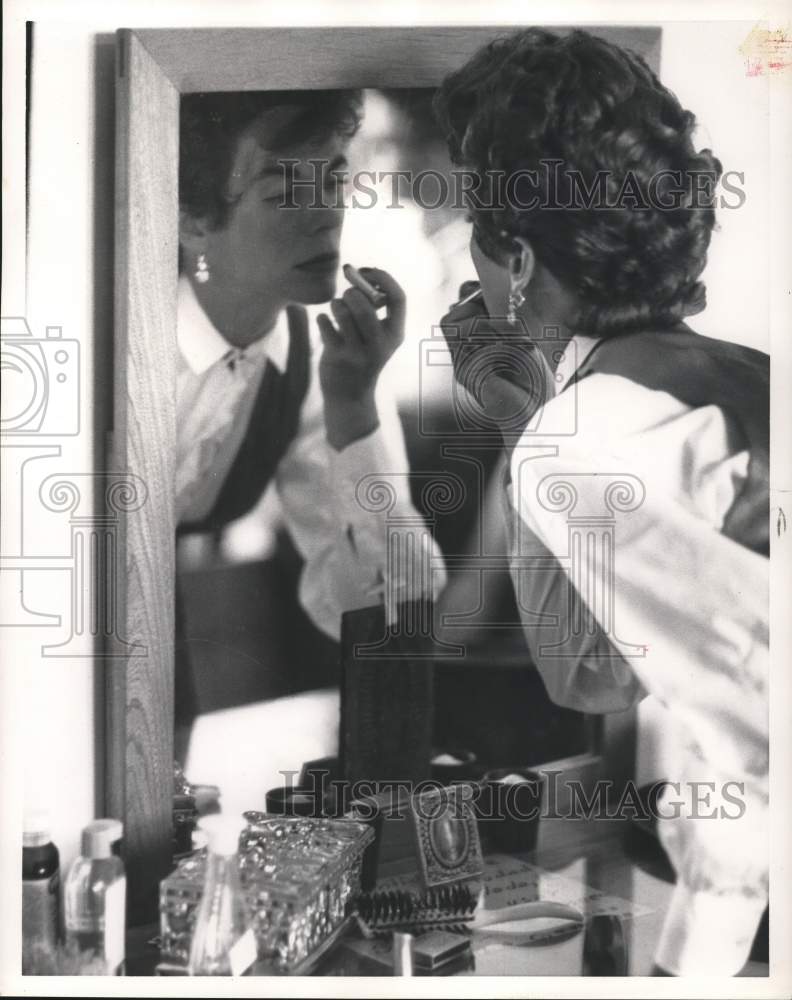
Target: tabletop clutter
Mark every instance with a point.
(308, 883)
(305, 873)
(83, 932)
(280, 892)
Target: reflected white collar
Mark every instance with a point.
(201, 344)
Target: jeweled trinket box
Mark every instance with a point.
(300, 876)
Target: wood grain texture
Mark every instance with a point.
(140, 696)
(201, 59)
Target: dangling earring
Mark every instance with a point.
(516, 297)
(202, 269)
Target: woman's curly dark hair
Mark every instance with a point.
(211, 124)
(579, 107)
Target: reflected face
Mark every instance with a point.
(266, 254)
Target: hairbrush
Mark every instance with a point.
(447, 907)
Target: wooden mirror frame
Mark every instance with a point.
(153, 68)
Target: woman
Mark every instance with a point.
(591, 224)
(261, 209)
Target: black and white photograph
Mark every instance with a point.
(396, 482)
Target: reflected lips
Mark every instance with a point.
(323, 264)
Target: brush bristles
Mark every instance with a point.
(448, 907)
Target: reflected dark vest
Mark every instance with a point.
(273, 426)
(701, 371)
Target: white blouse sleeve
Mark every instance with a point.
(686, 607)
(346, 526)
(631, 507)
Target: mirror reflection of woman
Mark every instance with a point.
(609, 386)
(254, 405)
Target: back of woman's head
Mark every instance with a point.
(620, 207)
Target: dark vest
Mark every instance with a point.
(701, 371)
(273, 426)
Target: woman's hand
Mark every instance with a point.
(355, 352)
(499, 365)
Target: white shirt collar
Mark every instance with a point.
(201, 344)
(576, 352)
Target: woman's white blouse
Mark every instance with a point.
(628, 488)
(341, 535)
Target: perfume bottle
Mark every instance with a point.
(95, 896)
(223, 942)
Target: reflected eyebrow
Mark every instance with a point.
(279, 171)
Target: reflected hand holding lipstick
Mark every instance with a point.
(373, 293)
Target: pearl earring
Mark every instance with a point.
(202, 269)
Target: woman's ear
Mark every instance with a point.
(192, 233)
(522, 264)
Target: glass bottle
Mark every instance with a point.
(95, 896)
(40, 882)
(223, 942)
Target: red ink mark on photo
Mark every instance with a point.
(766, 50)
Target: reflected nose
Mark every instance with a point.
(321, 210)
(328, 222)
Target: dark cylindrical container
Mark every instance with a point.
(297, 800)
(510, 804)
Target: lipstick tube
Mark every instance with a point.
(375, 295)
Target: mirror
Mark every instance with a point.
(258, 560)
(230, 591)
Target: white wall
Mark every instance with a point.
(703, 66)
(49, 722)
